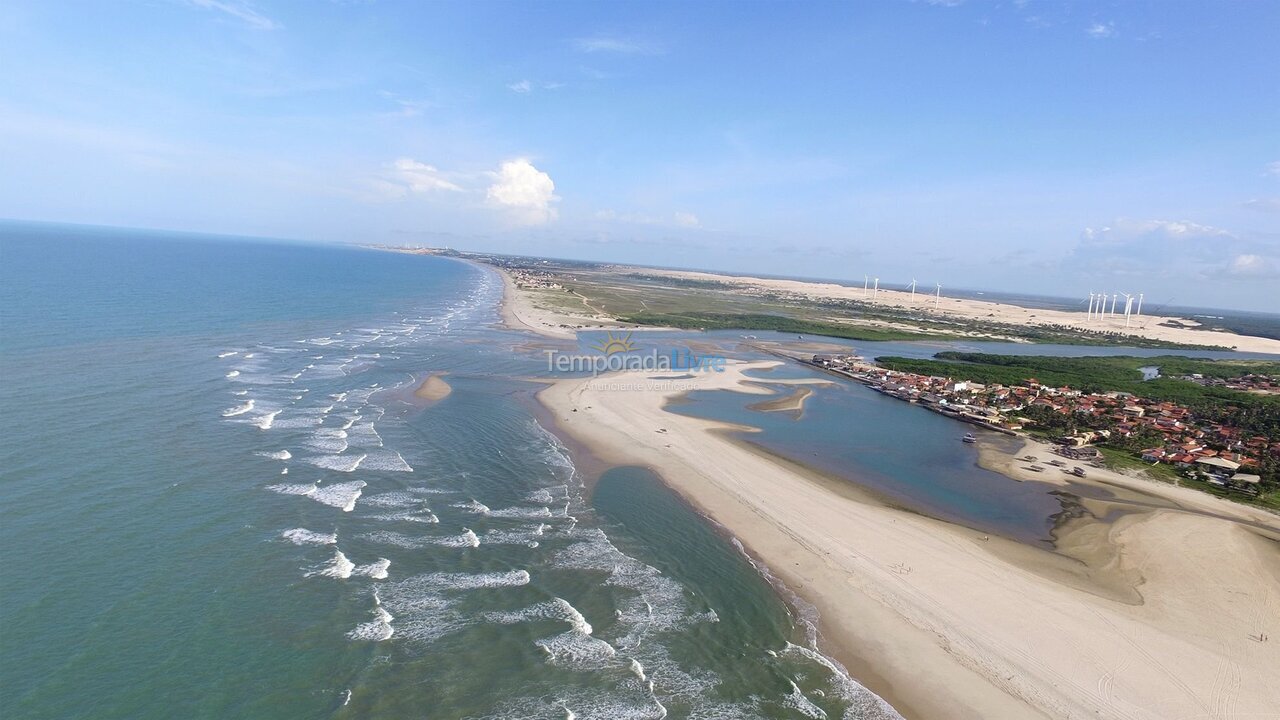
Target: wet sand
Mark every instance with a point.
(433, 389)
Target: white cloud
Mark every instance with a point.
(1263, 204)
(1154, 247)
(525, 191)
(1252, 266)
(1273, 169)
(623, 46)
(524, 87)
(420, 177)
(408, 108)
(240, 11)
(677, 219)
(687, 219)
(1101, 31)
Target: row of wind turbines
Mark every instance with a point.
(1098, 306)
(874, 289)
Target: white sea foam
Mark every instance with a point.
(265, 422)
(340, 495)
(540, 497)
(466, 539)
(414, 516)
(797, 701)
(233, 373)
(473, 506)
(862, 702)
(554, 609)
(341, 463)
(471, 581)
(520, 512)
(296, 489)
(303, 536)
(396, 499)
(338, 567)
(239, 393)
(364, 435)
(328, 440)
(276, 454)
(577, 651)
(228, 354)
(239, 409)
(376, 630)
(386, 461)
(512, 537)
(376, 570)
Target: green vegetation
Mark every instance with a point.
(780, 323)
(1100, 374)
(1253, 413)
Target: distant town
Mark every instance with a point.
(1214, 452)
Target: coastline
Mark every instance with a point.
(932, 617)
(519, 312)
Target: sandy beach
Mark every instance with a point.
(1157, 615)
(520, 312)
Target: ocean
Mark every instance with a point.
(222, 498)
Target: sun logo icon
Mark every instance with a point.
(611, 344)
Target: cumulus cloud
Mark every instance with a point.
(421, 177)
(525, 191)
(1153, 247)
(1252, 266)
(1101, 31)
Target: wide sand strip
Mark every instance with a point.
(946, 623)
(519, 312)
(1155, 327)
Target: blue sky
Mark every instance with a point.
(1055, 147)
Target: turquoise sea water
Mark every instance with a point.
(220, 499)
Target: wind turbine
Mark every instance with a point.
(1089, 313)
(1139, 313)
(937, 296)
(865, 280)
(875, 290)
(1128, 305)
(913, 289)
(1114, 298)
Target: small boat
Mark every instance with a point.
(969, 438)
(1078, 471)
(1036, 468)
